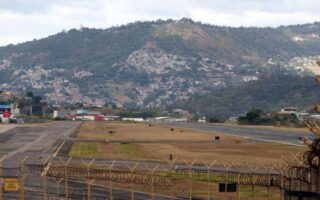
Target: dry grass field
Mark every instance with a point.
(140, 141)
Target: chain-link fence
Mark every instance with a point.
(175, 179)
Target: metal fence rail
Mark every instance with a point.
(83, 179)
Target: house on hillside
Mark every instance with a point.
(289, 110)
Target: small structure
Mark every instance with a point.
(98, 117)
(60, 114)
(234, 119)
(111, 117)
(82, 112)
(176, 120)
(158, 119)
(134, 119)
(289, 110)
(5, 107)
(202, 120)
(5, 112)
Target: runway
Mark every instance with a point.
(259, 134)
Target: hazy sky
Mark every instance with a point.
(22, 20)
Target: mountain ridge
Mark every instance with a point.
(155, 64)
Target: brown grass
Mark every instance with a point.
(139, 141)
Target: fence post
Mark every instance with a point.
(58, 181)
(1, 160)
(253, 170)
(89, 183)
(233, 165)
(66, 165)
(310, 185)
(151, 172)
(89, 180)
(22, 175)
(131, 177)
(43, 174)
(281, 170)
(317, 171)
(281, 187)
(253, 186)
(208, 166)
(172, 175)
(190, 176)
(238, 185)
(226, 170)
(269, 183)
(109, 167)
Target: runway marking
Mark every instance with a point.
(58, 149)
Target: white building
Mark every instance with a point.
(134, 119)
(111, 117)
(289, 110)
(202, 120)
(60, 114)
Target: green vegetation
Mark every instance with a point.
(85, 149)
(129, 149)
(258, 117)
(97, 50)
(271, 92)
(95, 150)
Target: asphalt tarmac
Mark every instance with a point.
(36, 144)
(258, 134)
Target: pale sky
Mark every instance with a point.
(23, 20)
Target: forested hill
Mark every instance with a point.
(270, 93)
(155, 63)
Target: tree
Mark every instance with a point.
(30, 94)
(36, 99)
(252, 117)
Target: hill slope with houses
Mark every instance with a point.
(156, 64)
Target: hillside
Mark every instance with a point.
(155, 63)
(270, 93)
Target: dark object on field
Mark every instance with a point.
(302, 195)
(112, 132)
(231, 187)
(150, 125)
(125, 142)
(170, 157)
(217, 138)
(172, 129)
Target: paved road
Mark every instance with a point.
(261, 134)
